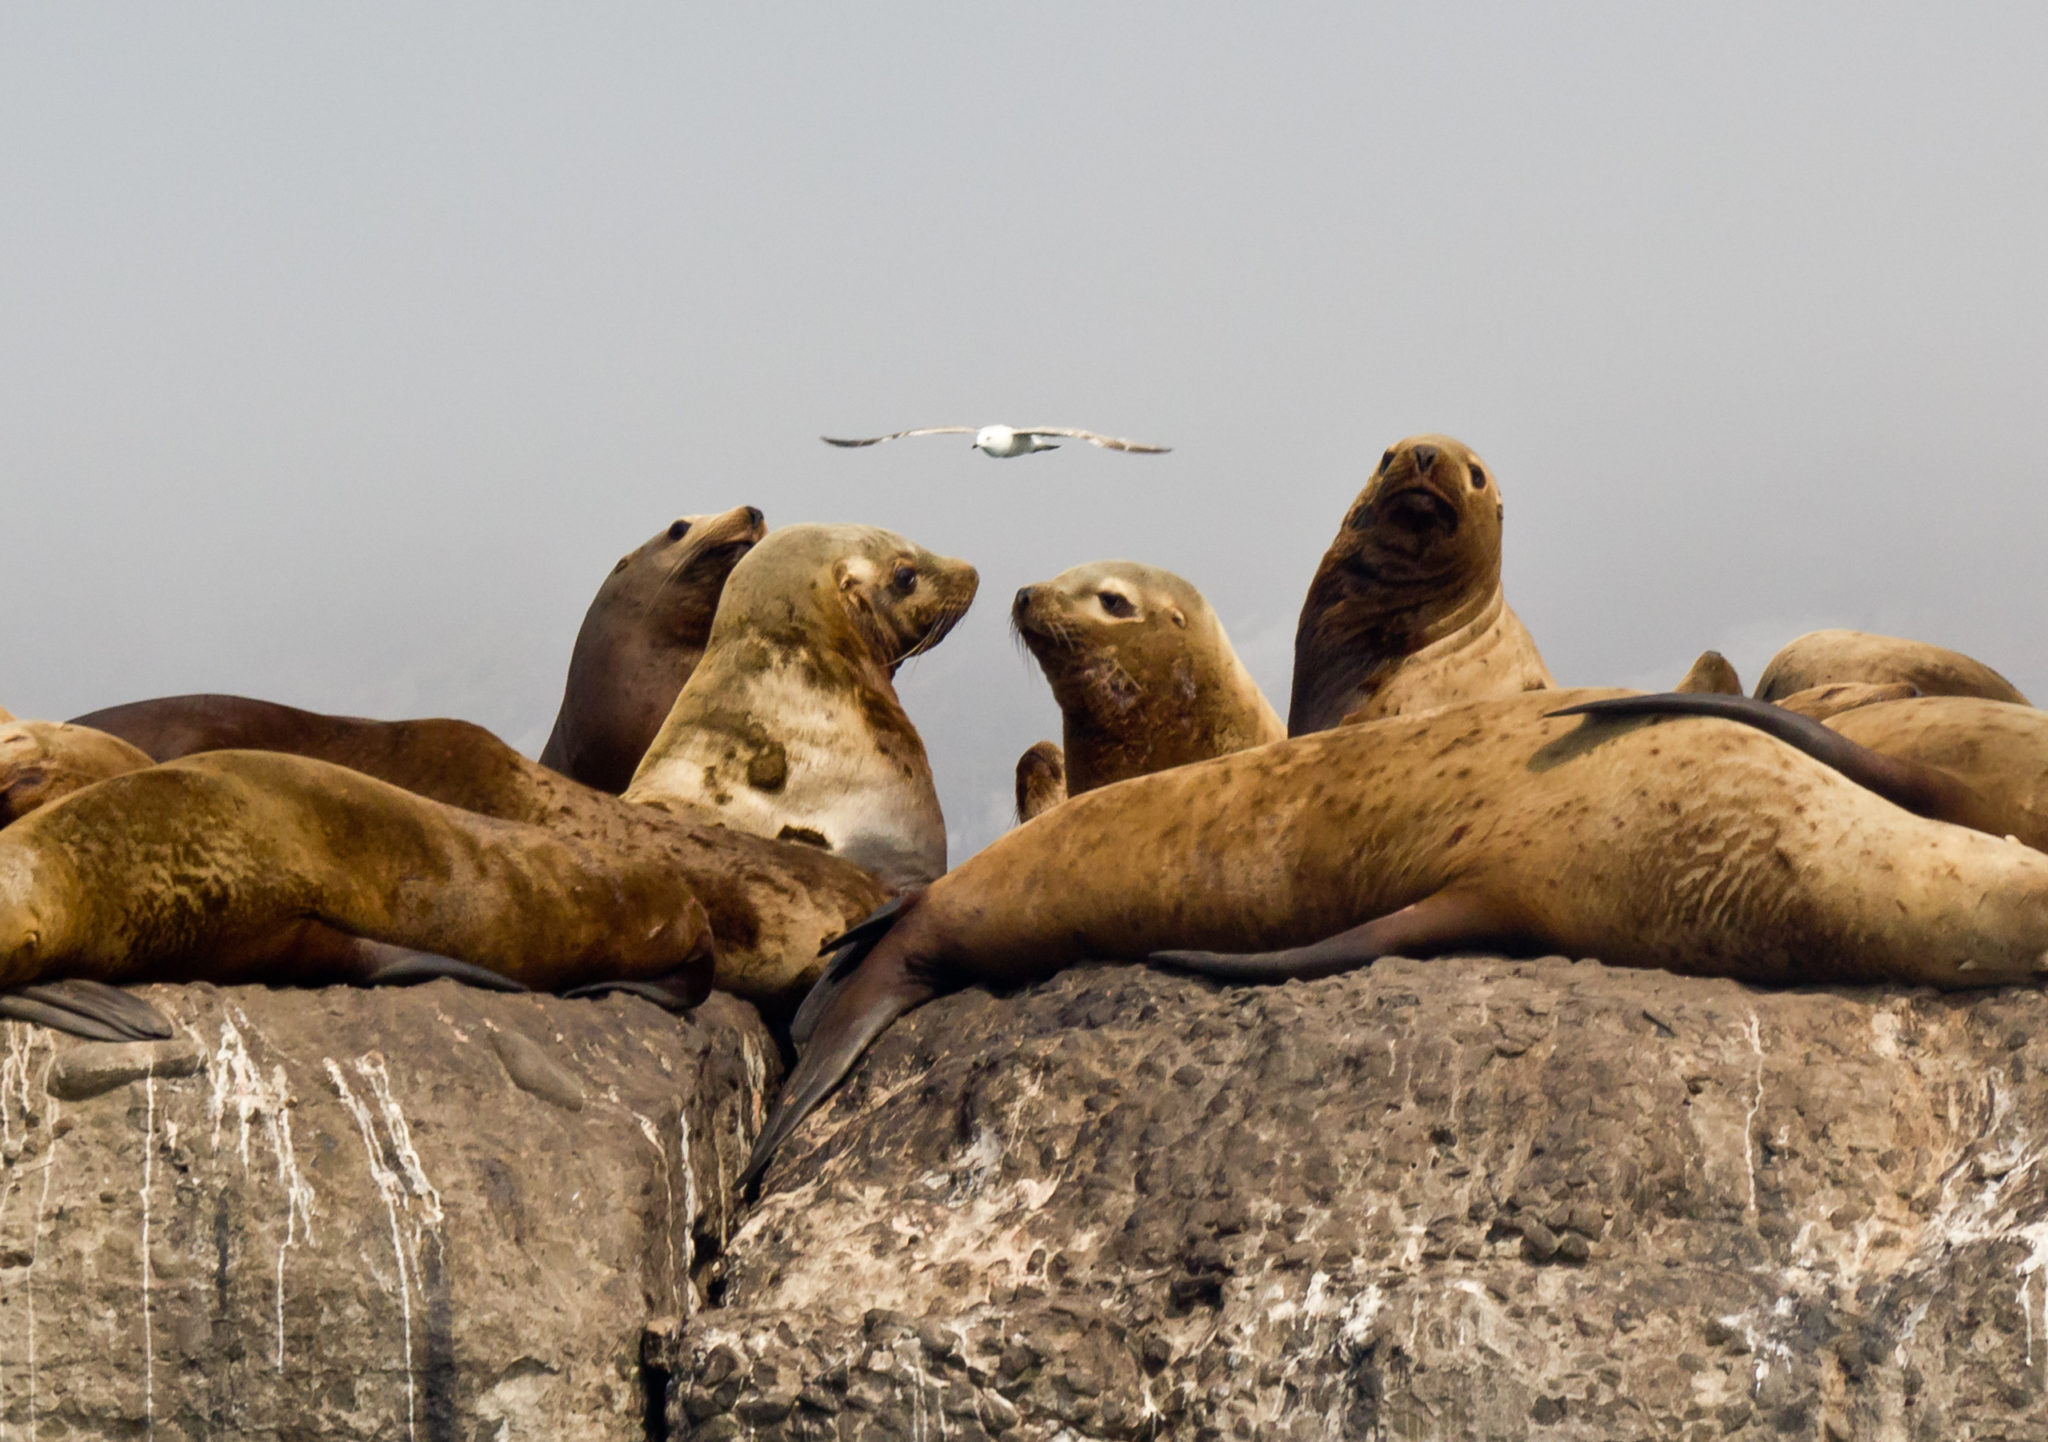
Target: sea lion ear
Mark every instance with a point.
(852, 572)
(1178, 619)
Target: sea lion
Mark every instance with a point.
(790, 726)
(242, 866)
(1691, 845)
(1711, 673)
(1144, 675)
(1821, 658)
(1996, 748)
(770, 903)
(639, 642)
(1041, 779)
(1406, 610)
(42, 761)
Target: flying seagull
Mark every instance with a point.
(1005, 441)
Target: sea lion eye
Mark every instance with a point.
(679, 529)
(1116, 605)
(1478, 477)
(1386, 459)
(905, 579)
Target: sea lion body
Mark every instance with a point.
(1406, 611)
(230, 866)
(1144, 674)
(790, 726)
(44, 761)
(1823, 702)
(1998, 748)
(1692, 845)
(641, 638)
(1822, 658)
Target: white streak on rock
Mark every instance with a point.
(1756, 1044)
(393, 1192)
(148, 1334)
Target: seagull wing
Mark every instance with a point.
(1108, 443)
(899, 435)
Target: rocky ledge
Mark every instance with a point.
(434, 1213)
(1470, 1198)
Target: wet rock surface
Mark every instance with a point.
(425, 1213)
(1470, 1198)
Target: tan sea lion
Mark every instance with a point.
(1711, 673)
(1406, 610)
(1692, 845)
(1141, 667)
(639, 642)
(790, 727)
(1821, 658)
(1822, 702)
(255, 866)
(1996, 748)
(1041, 779)
(43, 761)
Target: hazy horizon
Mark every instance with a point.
(346, 350)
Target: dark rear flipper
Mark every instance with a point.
(852, 946)
(1923, 790)
(1454, 918)
(389, 965)
(679, 991)
(90, 1009)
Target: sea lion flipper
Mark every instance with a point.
(1442, 921)
(90, 1009)
(403, 966)
(679, 991)
(852, 947)
(1919, 788)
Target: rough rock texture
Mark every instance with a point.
(433, 1213)
(1464, 1199)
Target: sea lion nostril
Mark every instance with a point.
(754, 517)
(1425, 458)
(1023, 599)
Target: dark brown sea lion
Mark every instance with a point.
(1692, 845)
(790, 726)
(1821, 658)
(1041, 779)
(255, 866)
(1406, 610)
(641, 639)
(43, 761)
(1141, 667)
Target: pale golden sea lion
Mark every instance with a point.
(1821, 658)
(1141, 667)
(1692, 845)
(1406, 610)
(790, 726)
(640, 640)
(1711, 673)
(1041, 779)
(242, 866)
(43, 761)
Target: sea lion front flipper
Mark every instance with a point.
(679, 991)
(1919, 788)
(852, 946)
(1442, 921)
(391, 965)
(90, 1009)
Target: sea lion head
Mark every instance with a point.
(1143, 673)
(897, 598)
(1418, 555)
(673, 579)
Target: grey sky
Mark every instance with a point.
(343, 349)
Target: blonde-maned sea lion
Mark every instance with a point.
(1692, 845)
(1406, 610)
(43, 761)
(1041, 779)
(639, 642)
(790, 726)
(1711, 673)
(242, 866)
(1821, 658)
(1141, 667)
